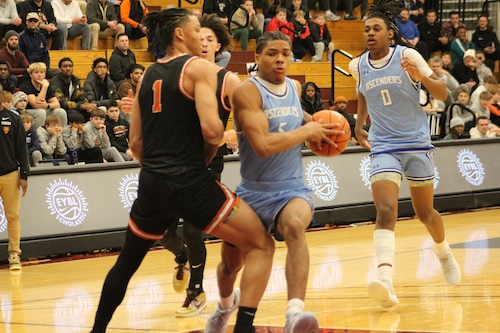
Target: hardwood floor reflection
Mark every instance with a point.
(63, 296)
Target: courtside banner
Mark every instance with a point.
(85, 199)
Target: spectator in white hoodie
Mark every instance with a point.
(71, 21)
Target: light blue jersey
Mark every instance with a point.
(284, 114)
(398, 122)
(268, 184)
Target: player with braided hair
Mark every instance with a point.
(389, 75)
(175, 130)
(190, 246)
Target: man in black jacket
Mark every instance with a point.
(5, 81)
(486, 39)
(48, 22)
(430, 33)
(121, 58)
(69, 90)
(103, 21)
(14, 172)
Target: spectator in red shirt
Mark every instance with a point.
(18, 64)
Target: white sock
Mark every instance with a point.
(294, 305)
(442, 248)
(227, 302)
(385, 246)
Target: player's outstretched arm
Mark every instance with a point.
(135, 135)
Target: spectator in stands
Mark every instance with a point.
(459, 45)
(7, 102)
(78, 139)
(302, 43)
(118, 130)
(20, 102)
(69, 89)
(321, 36)
(482, 69)
(460, 109)
(221, 8)
(5, 80)
(449, 28)
(34, 153)
(456, 130)
(42, 100)
(121, 58)
(494, 107)
(415, 10)
(331, 10)
(409, 31)
(99, 88)
(489, 81)
(103, 21)
(51, 143)
(436, 64)
(482, 131)
(33, 43)
(430, 33)
(131, 14)
(244, 24)
(294, 5)
(48, 24)
(485, 38)
(349, 6)
(9, 18)
(340, 105)
(15, 59)
(96, 128)
(446, 60)
(311, 98)
(465, 71)
(481, 107)
(270, 9)
(71, 22)
(279, 22)
(133, 73)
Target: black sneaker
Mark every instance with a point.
(349, 17)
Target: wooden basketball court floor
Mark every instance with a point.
(62, 296)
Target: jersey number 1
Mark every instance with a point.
(156, 107)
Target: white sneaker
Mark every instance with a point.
(382, 292)
(451, 269)
(301, 323)
(217, 322)
(332, 17)
(315, 58)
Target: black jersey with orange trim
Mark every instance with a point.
(172, 137)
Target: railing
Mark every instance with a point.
(341, 70)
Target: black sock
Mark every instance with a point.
(244, 320)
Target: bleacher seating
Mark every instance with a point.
(346, 35)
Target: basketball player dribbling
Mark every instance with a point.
(389, 76)
(271, 129)
(175, 131)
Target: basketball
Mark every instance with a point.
(342, 140)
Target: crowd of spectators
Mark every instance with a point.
(58, 110)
